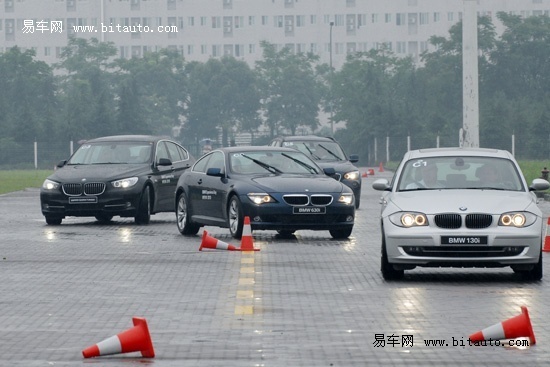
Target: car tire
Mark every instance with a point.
(534, 274)
(235, 217)
(53, 220)
(183, 216)
(340, 234)
(357, 202)
(104, 218)
(285, 233)
(387, 269)
(143, 215)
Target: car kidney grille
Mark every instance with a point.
(321, 200)
(89, 188)
(448, 221)
(72, 189)
(94, 188)
(296, 200)
(478, 220)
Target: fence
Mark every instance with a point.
(45, 155)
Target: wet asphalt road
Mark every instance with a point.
(306, 301)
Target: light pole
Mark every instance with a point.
(331, 77)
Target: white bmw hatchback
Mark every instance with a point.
(460, 207)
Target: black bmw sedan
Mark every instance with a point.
(125, 175)
(277, 188)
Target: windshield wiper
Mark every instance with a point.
(303, 164)
(263, 164)
(330, 152)
(311, 152)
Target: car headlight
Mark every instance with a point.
(409, 219)
(517, 219)
(125, 182)
(346, 199)
(261, 198)
(50, 185)
(353, 175)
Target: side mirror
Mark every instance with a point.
(381, 185)
(61, 163)
(216, 172)
(539, 184)
(354, 158)
(329, 171)
(164, 162)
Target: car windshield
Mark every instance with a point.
(276, 162)
(436, 173)
(318, 150)
(112, 153)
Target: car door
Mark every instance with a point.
(207, 192)
(165, 178)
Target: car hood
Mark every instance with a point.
(298, 183)
(97, 172)
(339, 166)
(475, 201)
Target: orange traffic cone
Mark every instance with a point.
(247, 243)
(136, 339)
(364, 174)
(213, 243)
(371, 171)
(516, 327)
(546, 247)
(381, 167)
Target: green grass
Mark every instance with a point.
(16, 180)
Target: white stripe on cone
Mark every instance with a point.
(109, 346)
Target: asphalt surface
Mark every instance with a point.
(306, 301)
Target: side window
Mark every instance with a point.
(175, 155)
(162, 152)
(201, 164)
(183, 153)
(216, 161)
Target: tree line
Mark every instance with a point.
(375, 94)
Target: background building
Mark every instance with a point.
(200, 29)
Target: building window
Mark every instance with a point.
(203, 21)
(374, 18)
(437, 17)
(450, 16)
(264, 19)
(216, 22)
(190, 21)
(204, 49)
(278, 21)
(300, 20)
(424, 18)
(251, 20)
(361, 20)
(313, 19)
(387, 17)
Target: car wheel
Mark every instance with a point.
(103, 218)
(53, 221)
(533, 274)
(338, 234)
(357, 202)
(235, 217)
(387, 269)
(285, 233)
(143, 215)
(183, 217)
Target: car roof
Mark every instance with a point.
(254, 148)
(305, 138)
(457, 151)
(127, 138)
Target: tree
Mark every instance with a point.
(290, 90)
(27, 96)
(87, 89)
(222, 95)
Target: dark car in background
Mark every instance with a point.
(279, 189)
(125, 175)
(327, 152)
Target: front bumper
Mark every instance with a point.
(123, 203)
(280, 216)
(421, 246)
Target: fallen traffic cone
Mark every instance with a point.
(136, 339)
(546, 247)
(381, 167)
(247, 243)
(371, 172)
(214, 243)
(516, 327)
(364, 174)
